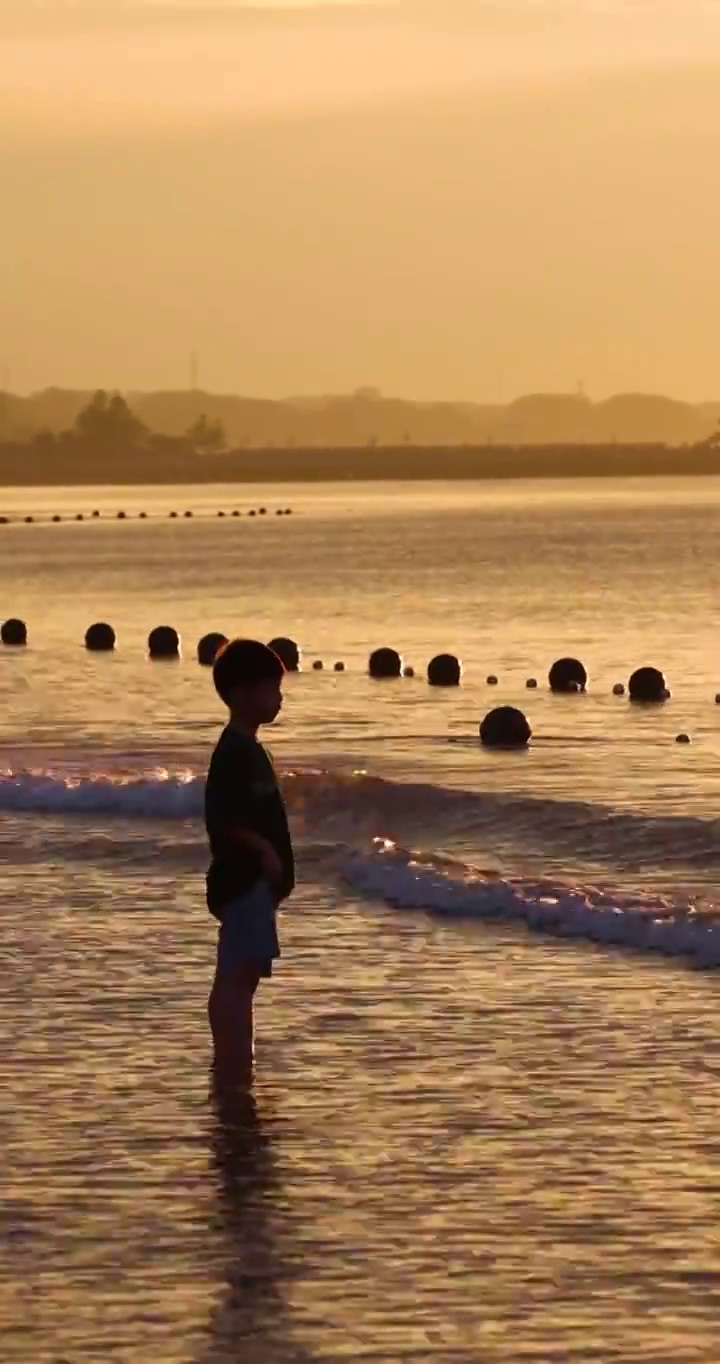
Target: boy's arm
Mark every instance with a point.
(231, 802)
(271, 864)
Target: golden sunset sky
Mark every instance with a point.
(468, 199)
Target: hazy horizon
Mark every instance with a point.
(467, 201)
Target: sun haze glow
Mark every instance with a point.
(464, 200)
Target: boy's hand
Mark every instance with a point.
(272, 866)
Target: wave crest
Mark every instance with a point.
(338, 813)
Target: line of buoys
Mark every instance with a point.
(384, 664)
(505, 727)
(260, 511)
(647, 685)
(209, 647)
(121, 515)
(164, 642)
(444, 670)
(14, 633)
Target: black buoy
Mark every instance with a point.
(252, 512)
(531, 684)
(288, 653)
(187, 515)
(121, 516)
(492, 680)
(100, 638)
(339, 667)
(164, 642)
(408, 670)
(683, 739)
(79, 517)
(318, 665)
(385, 663)
(57, 519)
(619, 689)
(4, 520)
(648, 685)
(14, 633)
(288, 511)
(262, 511)
(221, 514)
(96, 514)
(445, 670)
(142, 516)
(237, 513)
(173, 516)
(209, 647)
(279, 511)
(505, 727)
(29, 520)
(567, 675)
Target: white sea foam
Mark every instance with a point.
(158, 794)
(642, 923)
(431, 884)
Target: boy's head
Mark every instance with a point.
(248, 678)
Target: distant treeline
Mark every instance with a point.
(109, 439)
(368, 417)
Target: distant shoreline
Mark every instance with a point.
(481, 463)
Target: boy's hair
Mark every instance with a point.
(244, 663)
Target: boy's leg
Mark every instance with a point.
(230, 1012)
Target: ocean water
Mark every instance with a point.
(485, 1120)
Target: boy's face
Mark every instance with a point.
(264, 701)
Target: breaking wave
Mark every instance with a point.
(340, 817)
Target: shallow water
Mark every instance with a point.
(468, 1141)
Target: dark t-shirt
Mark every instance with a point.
(241, 792)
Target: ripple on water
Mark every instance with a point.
(461, 1146)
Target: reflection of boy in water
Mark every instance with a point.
(252, 868)
(251, 1312)
(252, 1322)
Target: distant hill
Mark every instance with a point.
(368, 417)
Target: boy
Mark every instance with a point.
(252, 868)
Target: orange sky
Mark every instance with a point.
(467, 199)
